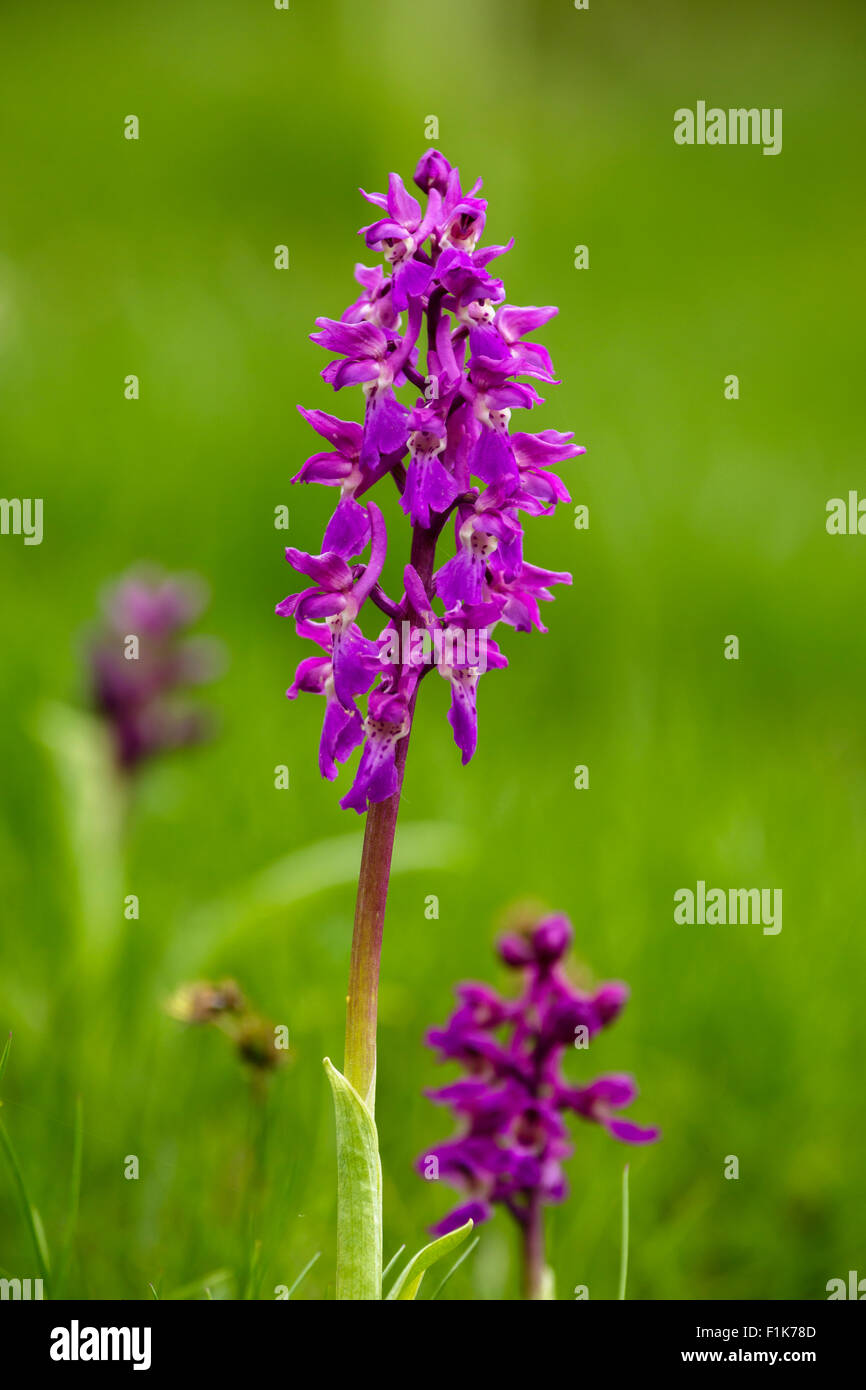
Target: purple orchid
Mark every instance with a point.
(512, 1102)
(402, 233)
(449, 451)
(140, 662)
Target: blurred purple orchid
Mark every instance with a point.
(140, 662)
(511, 1103)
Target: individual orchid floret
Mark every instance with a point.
(462, 215)
(463, 650)
(472, 294)
(430, 487)
(339, 466)
(363, 347)
(375, 304)
(535, 455)
(464, 667)
(442, 361)
(493, 458)
(432, 171)
(348, 531)
(387, 722)
(497, 347)
(462, 579)
(512, 1102)
(337, 594)
(343, 727)
(399, 235)
(521, 592)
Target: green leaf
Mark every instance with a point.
(306, 872)
(92, 800)
(359, 1194)
(409, 1282)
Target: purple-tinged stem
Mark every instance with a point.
(363, 997)
(534, 1264)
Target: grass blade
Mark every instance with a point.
(304, 1272)
(454, 1268)
(623, 1257)
(393, 1260)
(74, 1192)
(219, 1279)
(31, 1215)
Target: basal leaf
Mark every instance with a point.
(359, 1194)
(409, 1282)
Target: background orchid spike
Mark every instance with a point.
(138, 686)
(450, 452)
(512, 1101)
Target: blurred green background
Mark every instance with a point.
(706, 518)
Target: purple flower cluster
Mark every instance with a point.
(139, 662)
(452, 453)
(512, 1101)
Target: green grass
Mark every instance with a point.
(706, 518)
